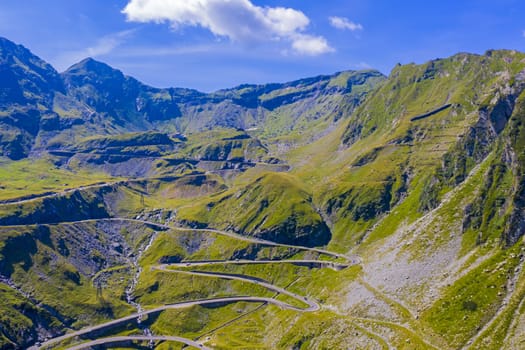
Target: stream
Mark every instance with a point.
(130, 290)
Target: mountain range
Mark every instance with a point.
(44, 107)
(355, 210)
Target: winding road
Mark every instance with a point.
(318, 263)
(138, 338)
(32, 198)
(181, 305)
(168, 268)
(352, 260)
(51, 194)
(312, 305)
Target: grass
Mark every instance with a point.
(504, 326)
(248, 210)
(158, 288)
(473, 299)
(189, 245)
(248, 332)
(30, 177)
(398, 335)
(198, 320)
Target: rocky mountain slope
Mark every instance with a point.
(392, 206)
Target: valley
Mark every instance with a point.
(349, 211)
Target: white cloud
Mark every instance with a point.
(344, 23)
(311, 45)
(239, 20)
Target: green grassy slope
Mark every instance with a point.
(422, 178)
(275, 206)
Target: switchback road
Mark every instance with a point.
(311, 305)
(352, 260)
(317, 263)
(181, 305)
(118, 339)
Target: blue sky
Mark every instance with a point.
(213, 44)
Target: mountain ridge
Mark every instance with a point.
(94, 98)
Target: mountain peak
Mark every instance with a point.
(24, 71)
(10, 50)
(7, 45)
(90, 65)
(6, 42)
